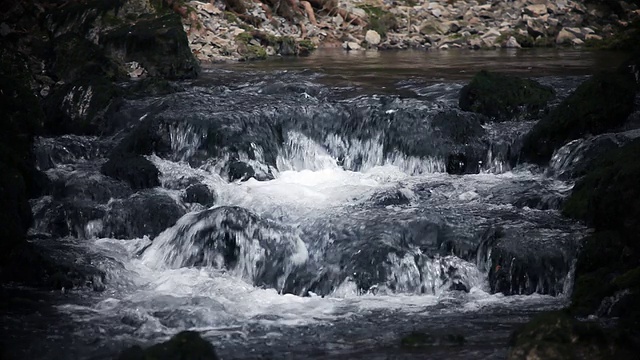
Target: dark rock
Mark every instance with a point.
(21, 118)
(529, 194)
(503, 97)
(608, 197)
(67, 218)
(200, 194)
(186, 345)
(600, 104)
(152, 86)
(522, 260)
(94, 187)
(574, 159)
(136, 170)
(80, 107)
(239, 170)
(422, 339)
(556, 335)
(77, 58)
(457, 164)
(145, 213)
(159, 44)
(396, 197)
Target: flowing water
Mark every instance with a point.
(332, 228)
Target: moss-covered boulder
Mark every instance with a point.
(608, 197)
(76, 58)
(158, 44)
(80, 107)
(557, 335)
(600, 104)
(187, 345)
(502, 97)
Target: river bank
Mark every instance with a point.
(219, 31)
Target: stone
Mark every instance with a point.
(502, 97)
(565, 37)
(536, 10)
(512, 43)
(593, 37)
(372, 37)
(350, 45)
(136, 170)
(598, 105)
(4, 29)
(184, 345)
(577, 42)
(337, 20)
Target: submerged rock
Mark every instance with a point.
(186, 345)
(556, 335)
(502, 97)
(600, 104)
(419, 339)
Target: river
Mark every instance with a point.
(354, 236)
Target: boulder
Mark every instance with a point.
(536, 10)
(199, 194)
(502, 97)
(148, 212)
(135, 170)
(158, 44)
(187, 345)
(565, 37)
(372, 37)
(600, 104)
(557, 335)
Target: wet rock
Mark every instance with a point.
(185, 345)
(419, 339)
(523, 259)
(503, 97)
(88, 186)
(146, 213)
(77, 58)
(230, 238)
(158, 44)
(557, 335)
(602, 103)
(574, 159)
(80, 107)
(239, 170)
(67, 218)
(136, 170)
(200, 194)
(527, 194)
(351, 46)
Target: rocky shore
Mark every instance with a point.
(223, 30)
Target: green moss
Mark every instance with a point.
(244, 37)
(253, 52)
(230, 17)
(305, 47)
(526, 41)
(503, 97)
(380, 20)
(628, 280)
(556, 335)
(598, 105)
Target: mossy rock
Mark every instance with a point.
(421, 339)
(502, 97)
(589, 290)
(557, 335)
(600, 104)
(80, 107)
(77, 58)
(159, 44)
(608, 197)
(380, 20)
(186, 345)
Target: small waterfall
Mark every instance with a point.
(186, 139)
(233, 239)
